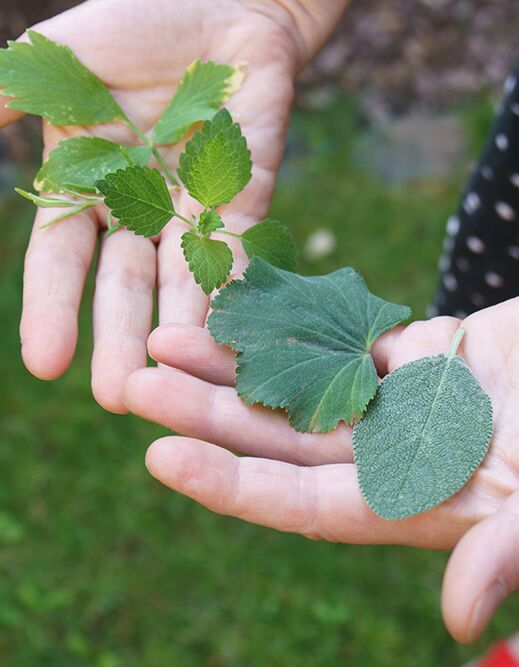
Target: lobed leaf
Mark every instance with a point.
(79, 162)
(204, 88)
(48, 80)
(423, 436)
(139, 198)
(209, 260)
(304, 342)
(216, 164)
(271, 241)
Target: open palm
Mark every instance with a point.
(307, 483)
(141, 51)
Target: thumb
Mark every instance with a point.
(482, 571)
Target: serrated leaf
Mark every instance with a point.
(139, 198)
(304, 342)
(209, 260)
(209, 221)
(216, 164)
(81, 161)
(423, 436)
(48, 80)
(204, 88)
(271, 241)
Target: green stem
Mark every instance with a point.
(69, 212)
(455, 343)
(224, 231)
(154, 150)
(189, 222)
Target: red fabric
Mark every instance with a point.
(500, 656)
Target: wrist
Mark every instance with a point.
(308, 23)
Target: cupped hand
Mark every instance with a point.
(307, 483)
(141, 51)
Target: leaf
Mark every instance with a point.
(209, 221)
(46, 202)
(271, 241)
(304, 341)
(203, 89)
(210, 261)
(423, 436)
(81, 161)
(139, 198)
(48, 80)
(216, 163)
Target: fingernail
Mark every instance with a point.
(485, 606)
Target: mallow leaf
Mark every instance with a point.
(48, 80)
(424, 434)
(216, 163)
(210, 261)
(204, 88)
(271, 241)
(79, 162)
(139, 198)
(304, 342)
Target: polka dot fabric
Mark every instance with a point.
(480, 264)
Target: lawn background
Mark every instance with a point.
(101, 566)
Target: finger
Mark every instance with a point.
(323, 502)
(123, 307)
(407, 343)
(56, 265)
(217, 414)
(7, 115)
(193, 350)
(482, 571)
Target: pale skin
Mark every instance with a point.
(300, 483)
(307, 483)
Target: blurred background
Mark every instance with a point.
(101, 566)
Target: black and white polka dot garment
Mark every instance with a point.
(480, 264)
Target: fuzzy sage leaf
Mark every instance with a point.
(48, 80)
(304, 342)
(204, 88)
(423, 436)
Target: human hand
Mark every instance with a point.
(307, 483)
(141, 53)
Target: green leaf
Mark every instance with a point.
(46, 202)
(304, 342)
(271, 241)
(423, 436)
(216, 164)
(139, 198)
(210, 261)
(81, 161)
(48, 80)
(203, 89)
(209, 221)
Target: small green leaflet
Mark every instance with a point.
(210, 261)
(209, 221)
(216, 164)
(139, 198)
(271, 241)
(202, 91)
(48, 80)
(81, 161)
(304, 342)
(423, 436)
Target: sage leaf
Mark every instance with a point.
(210, 261)
(271, 241)
(424, 434)
(79, 162)
(216, 163)
(48, 80)
(203, 89)
(304, 342)
(139, 198)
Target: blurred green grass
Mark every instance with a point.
(100, 566)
